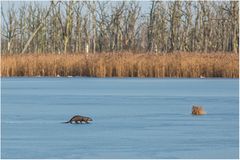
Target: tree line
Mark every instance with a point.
(123, 26)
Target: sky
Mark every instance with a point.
(6, 4)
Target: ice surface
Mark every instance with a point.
(132, 118)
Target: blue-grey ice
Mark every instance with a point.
(132, 118)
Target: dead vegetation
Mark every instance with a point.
(122, 65)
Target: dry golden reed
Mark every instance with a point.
(122, 65)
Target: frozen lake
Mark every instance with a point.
(132, 118)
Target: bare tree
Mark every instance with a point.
(88, 26)
(40, 25)
(9, 28)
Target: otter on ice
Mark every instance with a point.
(198, 110)
(78, 119)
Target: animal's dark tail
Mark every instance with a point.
(66, 122)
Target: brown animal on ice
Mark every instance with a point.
(198, 110)
(78, 119)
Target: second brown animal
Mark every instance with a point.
(198, 110)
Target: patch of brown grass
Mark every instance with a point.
(122, 65)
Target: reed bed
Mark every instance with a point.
(122, 65)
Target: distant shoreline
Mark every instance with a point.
(172, 65)
(83, 77)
